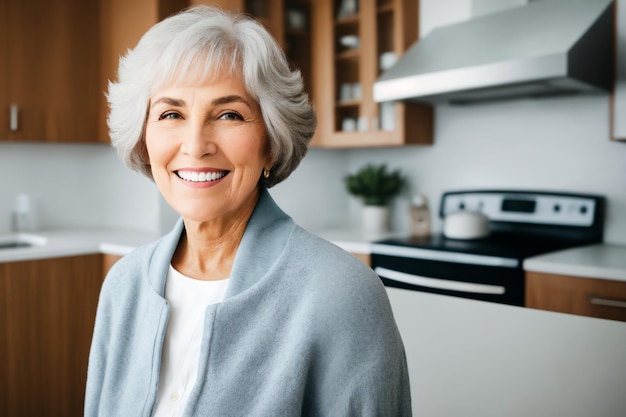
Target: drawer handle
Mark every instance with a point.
(14, 124)
(440, 284)
(607, 302)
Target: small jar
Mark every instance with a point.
(420, 216)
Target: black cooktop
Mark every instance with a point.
(500, 244)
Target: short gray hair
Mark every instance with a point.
(202, 41)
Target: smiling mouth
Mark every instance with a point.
(201, 176)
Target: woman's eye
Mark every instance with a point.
(169, 116)
(231, 116)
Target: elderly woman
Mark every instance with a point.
(237, 311)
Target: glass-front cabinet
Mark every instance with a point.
(354, 41)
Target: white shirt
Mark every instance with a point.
(188, 299)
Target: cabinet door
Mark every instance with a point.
(350, 41)
(52, 70)
(47, 310)
(575, 295)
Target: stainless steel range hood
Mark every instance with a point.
(546, 47)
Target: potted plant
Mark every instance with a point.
(376, 186)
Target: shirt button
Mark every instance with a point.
(174, 396)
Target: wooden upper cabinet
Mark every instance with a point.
(49, 68)
(351, 39)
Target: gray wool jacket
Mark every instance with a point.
(305, 329)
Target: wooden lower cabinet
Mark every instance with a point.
(576, 295)
(47, 313)
(366, 258)
(108, 261)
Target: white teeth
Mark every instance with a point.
(200, 177)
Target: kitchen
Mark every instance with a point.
(552, 143)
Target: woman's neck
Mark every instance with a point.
(206, 250)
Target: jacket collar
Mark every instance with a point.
(262, 243)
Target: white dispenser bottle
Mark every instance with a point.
(24, 214)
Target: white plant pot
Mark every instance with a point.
(375, 219)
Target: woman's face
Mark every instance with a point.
(207, 147)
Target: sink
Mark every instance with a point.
(20, 240)
(12, 244)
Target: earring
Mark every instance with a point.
(266, 173)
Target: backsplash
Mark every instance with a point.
(74, 186)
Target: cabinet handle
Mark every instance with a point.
(607, 302)
(14, 118)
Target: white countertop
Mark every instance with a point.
(600, 261)
(59, 243)
(354, 241)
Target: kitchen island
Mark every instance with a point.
(476, 358)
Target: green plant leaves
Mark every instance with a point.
(375, 184)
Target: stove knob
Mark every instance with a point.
(557, 208)
(583, 210)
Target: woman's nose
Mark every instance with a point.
(198, 141)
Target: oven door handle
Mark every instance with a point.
(440, 284)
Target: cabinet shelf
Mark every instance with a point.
(353, 19)
(296, 33)
(348, 103)
(346, 55)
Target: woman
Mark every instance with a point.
(238, 311)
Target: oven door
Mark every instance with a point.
(479, 277)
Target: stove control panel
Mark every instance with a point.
(525, 207)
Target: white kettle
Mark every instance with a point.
(466, 224)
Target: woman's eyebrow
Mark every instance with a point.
(233, 98)
(169, 101)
